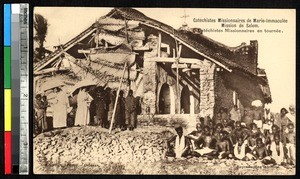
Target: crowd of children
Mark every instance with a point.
(253, 136)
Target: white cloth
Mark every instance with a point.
(258, 123)
(179, 146)
(235, 115)
(291, 151)
(278, 158)
(204, 150)
(83, 104)
(267, 127)
(60, 110)
(65, 63)
(242, 153)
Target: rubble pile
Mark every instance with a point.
(92, 150)
(94, 146)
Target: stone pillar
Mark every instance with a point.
(192, 101)
(207, 89)
(150, 87)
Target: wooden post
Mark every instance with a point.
(117, 97)
(159, 44)
(177, 79)
(127, 39)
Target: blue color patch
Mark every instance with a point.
(7, 24)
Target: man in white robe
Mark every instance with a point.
(60, 106)
(83, 104)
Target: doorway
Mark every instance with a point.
(164, 100)
(185, 101)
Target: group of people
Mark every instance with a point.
(253, 136)
(91, 106)
(126, 111)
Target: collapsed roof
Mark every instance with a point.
(216, 52)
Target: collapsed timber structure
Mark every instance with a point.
(173, 71)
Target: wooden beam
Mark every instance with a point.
(177, 80)
(116, 101)
(189, 46)
(175, 65)
(179, 51)
(193, 66)
(173, 60)
(67, 48)
(84, 51)
(144, 48)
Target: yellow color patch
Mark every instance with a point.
(7, 108)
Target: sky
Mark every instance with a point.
(276, 51)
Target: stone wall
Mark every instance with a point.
(150, 87)
(224, 95)
(207, 89)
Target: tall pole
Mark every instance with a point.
(117, 97)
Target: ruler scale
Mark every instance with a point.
(24, 90)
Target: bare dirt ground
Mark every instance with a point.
(91, 150)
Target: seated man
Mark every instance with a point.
(217, 118)
(205, 143)
(290, 144)
(195, 136)
(181, 147)
(260, 152)
(218, 129)
(254, 134)
(239, 150)
(270, 136)
(202, 122)
(223, 147)
(277, 149)
(239, 131)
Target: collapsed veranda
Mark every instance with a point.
(176, 72)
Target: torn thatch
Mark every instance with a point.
(122, 25)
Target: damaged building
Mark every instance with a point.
(174, 71)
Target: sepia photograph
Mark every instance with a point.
(164, 91)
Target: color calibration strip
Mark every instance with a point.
(7, 91)
(16, 88)
(24, 90)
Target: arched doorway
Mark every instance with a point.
(164, 100)
(185, 101)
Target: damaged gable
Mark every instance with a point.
(125, 33)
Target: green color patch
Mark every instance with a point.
(7, 67)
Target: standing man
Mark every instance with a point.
(247, 118)
(120, 111)
(235, 113)
(84, 100)
(100, 108)
(130, 110)
(45, 106)
(39, 112)
(60, 106)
